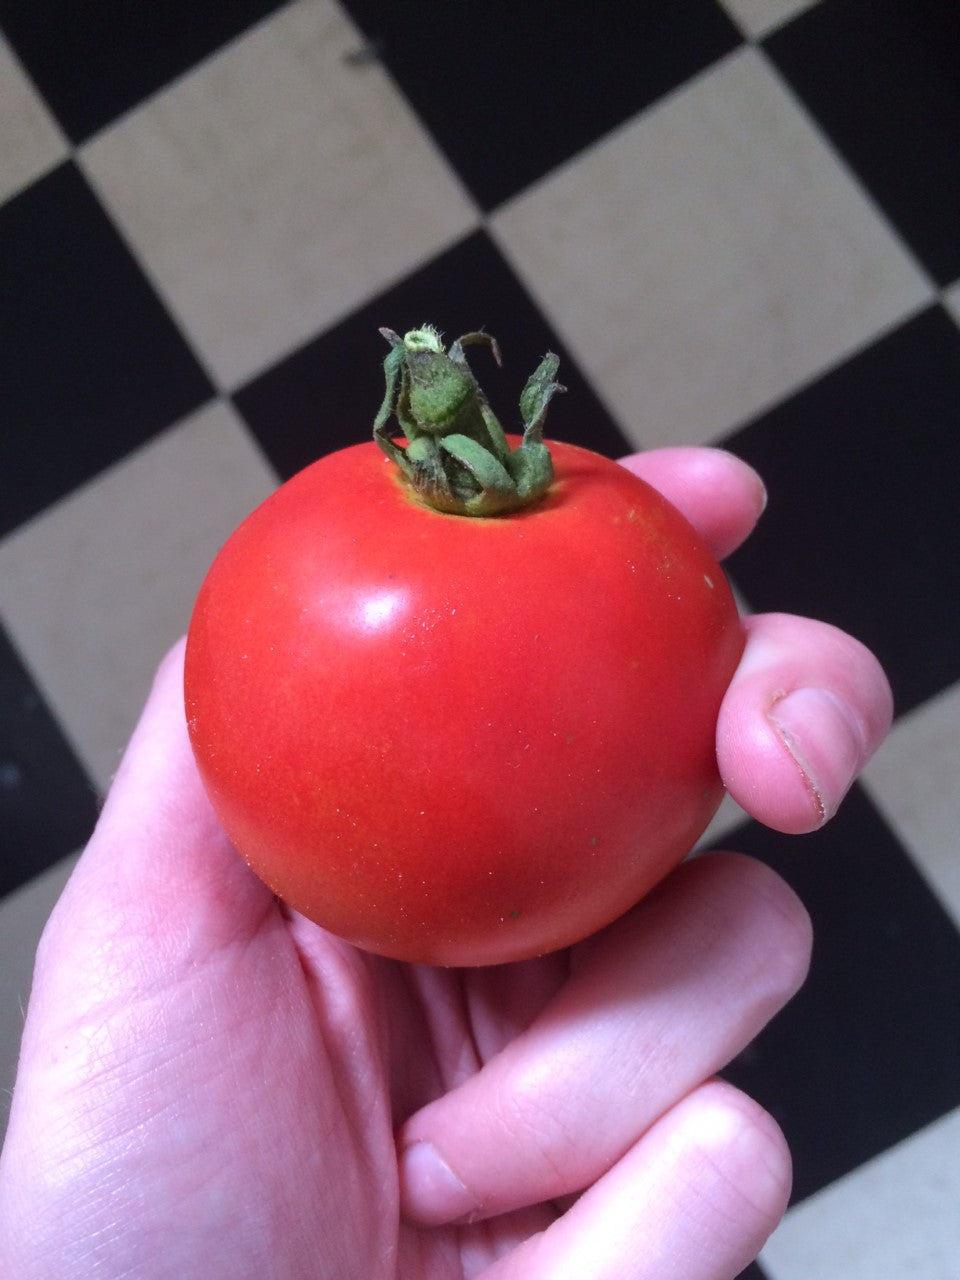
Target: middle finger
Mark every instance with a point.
(655, 1004)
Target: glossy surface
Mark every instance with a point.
(461, 740)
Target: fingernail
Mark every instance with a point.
(430, 1191)
(826, 742)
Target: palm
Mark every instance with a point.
(328, 1049)
(384, 1039)
(245, 1068)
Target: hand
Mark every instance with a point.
(212, 1086)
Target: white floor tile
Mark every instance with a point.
(275, 188)
(913, 782)
(709, 257)
(727, 817)
(951, 300)
(895, 1218)
(758, 18)
(30, 140)
(99, 586)
(22, 917)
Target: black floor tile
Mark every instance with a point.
(326, 395)
(883, 80)
(48, 805)
(90, 363)
(862, 529)
(95, 60)
(511, 90)
(869, 1052)
(753, 1272)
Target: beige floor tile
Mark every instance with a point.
(758, 18)
(30, 139)
(892, 1219)
(913, 782)
(727, 817)
(709, 257)
(99, 586)
(275, 188)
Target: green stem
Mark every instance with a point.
(457, 457)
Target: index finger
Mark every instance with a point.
(720, 495)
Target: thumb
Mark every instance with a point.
(159, 883)
(158, 837)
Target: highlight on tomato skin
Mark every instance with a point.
(454, 736)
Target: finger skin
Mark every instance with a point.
(655, 1004)
(697, 1196)
(154, 820)
(158, 763)
(806, 709)
(720, 495)
(809, 705)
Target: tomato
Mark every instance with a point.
(461, 739)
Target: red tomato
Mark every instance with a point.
(453, 739)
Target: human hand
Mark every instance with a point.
(211, 1085)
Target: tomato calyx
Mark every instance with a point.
(457, 458)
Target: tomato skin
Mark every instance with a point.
(461, 740)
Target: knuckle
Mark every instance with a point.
(532, 1117)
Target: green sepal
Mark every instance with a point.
(457, 457)
(535, 398)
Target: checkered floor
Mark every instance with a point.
(738, 223)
